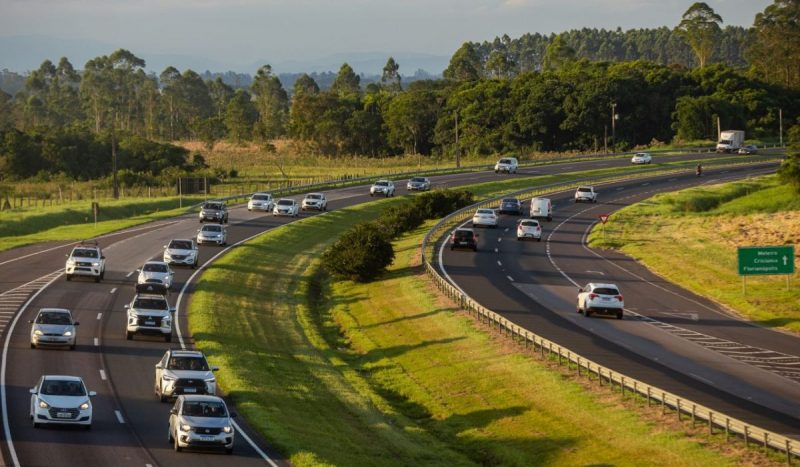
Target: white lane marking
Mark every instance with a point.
(645, 184)
(4, 365)
(710, 383)
(119, 416)
(253, 444)
(129, 274)
(620, 188)
(506, 229)
(97, 342)
(499, 239)
(113, 290)
(103, 374)
(510, 278)
(598, 272)
(148, 465)
(496, 250)
(99, 315)
(499, 263)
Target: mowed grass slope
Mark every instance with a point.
(389, 373)
(691, 237)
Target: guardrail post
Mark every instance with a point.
(710, 422)
(747, 436)
(648, 396)
(578, 359)
(788, 453)
(693, 415)
(678, 406)
(663, 403)
(622, 385)
(727, 428)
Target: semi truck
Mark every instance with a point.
(730, 140)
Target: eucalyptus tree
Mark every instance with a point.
(272, 103)
(699, 26)
(241, 116)
(390, 78)
(347, 82)
(465, 64)
(775, 51)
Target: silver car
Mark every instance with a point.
(200, 421)
(212, 233)
(418, 184)
(155, 272)
(315, 201)
(260, 202)
(184, 372)
(181, 251)
(53, 326)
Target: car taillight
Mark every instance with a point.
(618, 297)
(592, 296)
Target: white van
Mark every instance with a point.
(541, 208)
(507, 165)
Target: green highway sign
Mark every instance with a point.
(766, 260)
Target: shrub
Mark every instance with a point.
(360, 254)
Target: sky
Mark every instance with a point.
(239, 32)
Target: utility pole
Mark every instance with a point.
(614, 124)
(780, 131)
(605, 138)
(114, 164)
(458, 149)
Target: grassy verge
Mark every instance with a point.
(690, 237)
(390, 374)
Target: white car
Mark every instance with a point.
(641, 158)
(53, 326)
(585, 193)
(541, 208)
(184, 372)
(484, 218)
(529, 228)
(155, 272)
(149, 312)
(286, 207)
(260, 202)
(87, 260)
(601, 299)
(382, 187)
(201, 421)
(507, 165)
(61, 399)
(181, 251)
(749, 149)
(212, 233)
(315, 201)
(418, 184)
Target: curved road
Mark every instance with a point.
(670, 338)
(129, 423)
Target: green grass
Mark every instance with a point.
(690, 237)
(389, 373)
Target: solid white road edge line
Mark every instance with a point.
(103, 374)
(119, 416)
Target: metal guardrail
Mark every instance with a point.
(582, 365)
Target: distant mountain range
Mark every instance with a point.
(25, 53)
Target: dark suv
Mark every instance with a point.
(510, 206)
(214, 211)
(464, 238)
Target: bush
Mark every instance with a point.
(399, 219)
(435, 204)
(360, 254)
(789, 171)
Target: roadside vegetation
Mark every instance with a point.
(691, 237)
(390, 373)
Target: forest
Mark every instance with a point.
(533, 93)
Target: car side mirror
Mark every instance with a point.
(173, 411)
(92, 393)
(159, 366)
(172, 310)
(165, 246)
(32, 390)
(30, 321)
(214, 368)
(76, 323)
(103, 257)
(126, 306)
(233, 414)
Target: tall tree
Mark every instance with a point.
(272, 103)
(699, 26)
(465, 64)
(411, 121)
(558, 54)
(391, 78)
(775, 50)
(347, 82)
(500, 65)
(240, 116)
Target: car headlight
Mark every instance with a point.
(227, 429)
(38, 332)
(210, 380)
(70, 262)
(43, 404)
(167, 377)
(165, 323)
(84, 406)
(95, 264)
(67, 333)
(185, 427)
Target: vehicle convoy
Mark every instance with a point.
(260, 202)
(87, 260)
(585, 193)
(181, 251)
(510, 206)
(507, 165)
(155, 272)
(641, 158)
(600, 299)
(53, 326)
(184, 372)
(200, 421)
(286, 207)
(484, 218)
(730, 141)
(418, 184)
(541, 208)
(149, 312)
(214, 211)
(529, 228)
(212, 233)
(382, 187)
(464, 238)
(316, 201)
(61, 399)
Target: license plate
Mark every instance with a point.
(605, 299)
(63, 415)
(206, 438)
(189, 389)
(149, 323)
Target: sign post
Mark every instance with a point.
(603, 219)
(765, 261)
(95, 211)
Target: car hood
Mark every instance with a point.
(175, 251)
(208, 233)
(64, 401)
(208, 422)
(190, 374)
(145, 275)
(84, 258)
(54, 328)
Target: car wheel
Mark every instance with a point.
(72, 347)
(33, 346)
(35, 425)
(169, 434)
(519, 239)
(96, 279)
(194, 265)
(162, 397)
(587, 313)
(539, 239)
(168, 338)
(619, 315)
(474, 249)
(128, 335)
(495, 171)
(229, 450)
(371, 195)
(451, 249)
(549, 219)
(87, 427)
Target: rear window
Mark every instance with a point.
(463, 234)
(212, 228)
(212, 206)
(382, 183)
(418, 179)
(584, 189)
(485, 211)
(511, 201)
(314, 197)
(606, 291)
(529, 223)
(260, 197)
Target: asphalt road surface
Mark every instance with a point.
(130, 424)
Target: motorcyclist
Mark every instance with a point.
(699, 170)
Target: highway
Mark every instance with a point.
(130, 424)
(670, 338)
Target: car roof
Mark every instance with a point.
(316, 194)
(185, 353)
(201, 398)
(382, 180)
(63, 377)
(156, 262)
(464, 229)
(55, 310)
(149, 295)
(261, 193)
(596, 285)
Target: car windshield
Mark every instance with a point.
(529, 223)
(212, 228)
(212, 206)
(154, 267)
(314, 197)
(187, 363)
(584, 189)
(505, 161)
(204, 409)
(382, 183)
(84, 253)
(485, 211)
(180, 245)
(142, 303)
(285, 202)
(642, 154)
(510, 201)
(418, 180)
(53, 317)
(463, 234)
(260, 197)
(57, 387)
(606, 291)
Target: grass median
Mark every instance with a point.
(389, 373)
(691, 237)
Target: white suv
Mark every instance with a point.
(585, 193)
(260, 202)
(600, 298)
(315, 201)
(382, 187)
(184, 372)
(86, 259)
(149, 312)
(507, 165)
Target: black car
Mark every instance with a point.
(464, 238)
(214, 211)
(510, 206)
